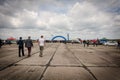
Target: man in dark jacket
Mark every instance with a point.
(21, 46)
(28, 45)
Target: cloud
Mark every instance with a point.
(85, 19)
(85, 16)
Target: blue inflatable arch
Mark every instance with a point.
(60, 37)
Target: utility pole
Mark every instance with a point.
(68, 36)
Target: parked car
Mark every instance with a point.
(111, 43)
(8, 42)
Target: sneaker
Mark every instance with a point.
(29, 55)
(40, 55)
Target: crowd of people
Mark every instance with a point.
(94, 43)
(41, 42)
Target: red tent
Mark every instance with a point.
(94, 40)
(11, 38)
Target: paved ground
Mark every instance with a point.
(61, 62)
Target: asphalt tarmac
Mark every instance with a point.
(61, 62)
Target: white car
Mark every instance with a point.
(111, 43)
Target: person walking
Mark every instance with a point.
(28, 45)
(118, 44)
(97, 42)
(41, 43)
(84, 42)
(94, 43)
(87, 42)
(21, 47)
(0, 43)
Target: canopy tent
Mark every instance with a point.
(11, 38)
(103, 40)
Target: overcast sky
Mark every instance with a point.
(85, 19)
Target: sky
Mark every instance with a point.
(85, 19)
